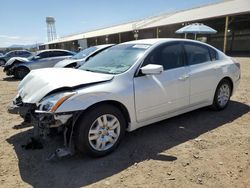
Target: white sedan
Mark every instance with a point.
(125, 87)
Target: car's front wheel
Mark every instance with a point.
(21, 72)
(222, 95)
(100, 130)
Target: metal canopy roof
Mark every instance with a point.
(211, 11)
(232, 7)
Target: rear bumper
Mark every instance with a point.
(236, 85)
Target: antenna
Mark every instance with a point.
(51, 28)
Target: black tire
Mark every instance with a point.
(21, 72)
(217, 104)
(88, 120)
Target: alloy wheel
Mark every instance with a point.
(104, 132)
(223, 95)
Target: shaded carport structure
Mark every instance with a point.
(230, 18)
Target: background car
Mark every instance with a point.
(20, 67)
(16, 53)
(127, 86)
(78, 59)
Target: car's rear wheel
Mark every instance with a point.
(222, 95)
(99, 131)
(21, 72)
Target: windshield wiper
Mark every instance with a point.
(89, 70)
(97, 71)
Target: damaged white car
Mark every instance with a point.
(125, 87)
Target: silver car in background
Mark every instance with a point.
(20, 67)
(15, 53)
(84, 55)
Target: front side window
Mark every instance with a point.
(115, 60)
(11, 54)
(170, 56)
(196, 53)
(19, 52)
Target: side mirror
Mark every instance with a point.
(152, 69)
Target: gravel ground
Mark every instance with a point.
(200, 148)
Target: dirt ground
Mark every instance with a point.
(200, 148)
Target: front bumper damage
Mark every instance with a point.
(43, 122)
(9, 70)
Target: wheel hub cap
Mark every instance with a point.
(224, 95)
(104, 132)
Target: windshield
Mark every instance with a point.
(115, 60)
(84, 53)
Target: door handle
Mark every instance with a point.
(183, 77)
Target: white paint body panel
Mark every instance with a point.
(148, 98)
(39, 83)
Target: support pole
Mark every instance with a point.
(225, 35)
(120, 38)
(157, 32)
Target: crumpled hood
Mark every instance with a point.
(66, 62)
(11, 60)
(38, 83)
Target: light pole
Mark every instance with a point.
(136, 34)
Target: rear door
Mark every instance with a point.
(41, 61)
(58, 56)
(202, 74)
(157, 95)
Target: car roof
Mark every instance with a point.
(104, 45)
(18, 51)
(160, 40)
(51, 50)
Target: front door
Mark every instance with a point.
(157, 95)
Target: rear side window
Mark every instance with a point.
(60, 53)
(11, 54)
(44, 55)
(214, 55)
(170, 56)
(196, 53)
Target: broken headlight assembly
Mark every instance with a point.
(53, 101)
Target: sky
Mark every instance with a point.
(23, 21)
